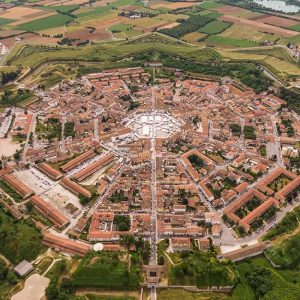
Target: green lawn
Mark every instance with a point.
(214, 39)
(214, 27)
(45, 23)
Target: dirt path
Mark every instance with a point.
(8, 263)
(83, 292)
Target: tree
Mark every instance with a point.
(52, 291)
(68, 286)
(161, 260)
(83, 199)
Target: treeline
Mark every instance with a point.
(8, 77)
(10, 98)
(247, 73)
(250, 4)
(191, 24)
(291, 97)
(288, 224)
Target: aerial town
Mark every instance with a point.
(120, 153)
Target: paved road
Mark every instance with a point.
(153, 239)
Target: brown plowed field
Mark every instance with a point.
(226, 9)
(86, 34)
(276, 21)
(260, 26)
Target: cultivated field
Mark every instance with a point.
(259, 26)
(276, 21)
(193, 37)
(237, 11)
(214, 27)
(245, 32)
(170, 5)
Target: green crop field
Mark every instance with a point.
(296, 27)
(214, 39)
(210, 5)
(63, 8)
(214, 27)
(214, 15)
(4, 21)
(45, 23)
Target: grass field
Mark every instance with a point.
(63, 8)
(4, 21)
(210, 5)
(171, 294)
(30, 56)
(282, 284)
(245, 32)
(19, 240)
(93, 271)
(45, 23)
(226, 41)
(122, 31)
(106, 297)
(214, 27)
(279, 53)
(295, 27)
(193, 37)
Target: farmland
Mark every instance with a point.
(46, 23)
(214, 27)
(78, 29)
(230, 41)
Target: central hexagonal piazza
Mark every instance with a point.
(153, 124)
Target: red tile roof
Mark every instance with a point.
(78, 160)
(49, 171)
(65, 245)
(75, 188)
(49, 211)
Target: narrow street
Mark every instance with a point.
(277, 141)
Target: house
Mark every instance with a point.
(180, 244)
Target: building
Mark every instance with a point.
(75, 188)
(94, 167)
(245, 252)
(65, 245)
(22, 190)
(50, 212)
(49, 171)
(180, 244)
(23, 268)
(78, 160)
